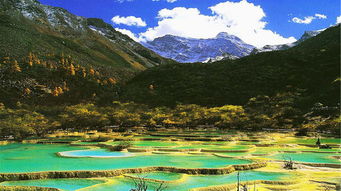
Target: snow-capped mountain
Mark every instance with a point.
(199, 50)
(269, 48)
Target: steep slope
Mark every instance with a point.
(58, 44)
(32, 27)
(189, 50)
(269, 48)
(313, 65)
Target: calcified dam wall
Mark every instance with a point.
(111, 173)
(27, 188)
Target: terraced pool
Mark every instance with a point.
(29, 157)
(308, 157)
(176, 182)
(64, 184)
(95, 153)
(15, 158)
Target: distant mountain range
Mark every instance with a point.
(222, 47)
(312, 68)
(269, 48)
(199, 50)
(50, 56)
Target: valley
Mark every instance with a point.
(84, 107)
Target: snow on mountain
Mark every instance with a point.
(199, 50)
(269, 48)
(54, 16)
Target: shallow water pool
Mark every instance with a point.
(96, 153)
(29, 157)
(64, 184)
(192, 181)
(308, 157)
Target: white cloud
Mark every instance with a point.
(320, 16)
(130, 21)
(242, 19)
(338, 19)
(308, 19)
(128, 33)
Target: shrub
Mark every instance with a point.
(121, 146)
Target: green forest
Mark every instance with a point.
(296, 89)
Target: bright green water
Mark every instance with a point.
(310, 141)
(64, 184)
(307, 157)
(123, 184)
(29, 157)
(220, 146)
(239, 154)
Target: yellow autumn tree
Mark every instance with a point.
(92, 71)
(16, 67)
(72, 70)
(55, 92)
(38, 62)
(112, 81)
(83, 72)
(6, 59)
(60, 90)
(27, 91)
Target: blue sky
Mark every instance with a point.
(257, 22)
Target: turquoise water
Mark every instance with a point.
(35, 157)
(220, 146)
(100, 153)
(312, 141)
(124, 184)
(307, 157)
(64, 184)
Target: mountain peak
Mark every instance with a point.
(226, 35)
(186, 50)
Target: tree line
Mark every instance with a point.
(261, 112)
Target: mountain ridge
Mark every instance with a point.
(312, 66)
(50, 56)
(187, 50)
(306, 35)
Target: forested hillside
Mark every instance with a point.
(40, 45)
(312, 68)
